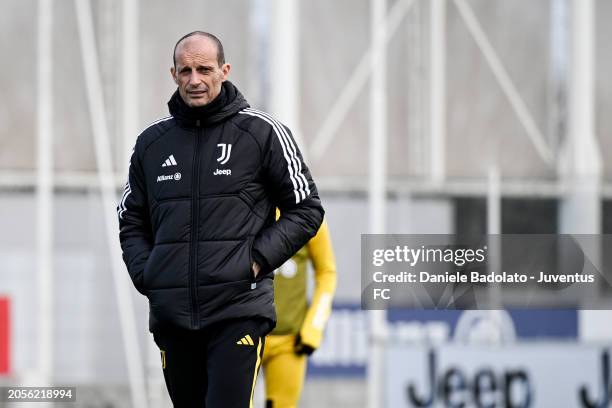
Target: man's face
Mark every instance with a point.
(197, 72)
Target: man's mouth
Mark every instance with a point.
(196, 93)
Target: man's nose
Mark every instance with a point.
(194, 78)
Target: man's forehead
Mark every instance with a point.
(196, 46)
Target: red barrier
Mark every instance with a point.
(5, 336)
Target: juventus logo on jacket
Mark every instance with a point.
(226, 151)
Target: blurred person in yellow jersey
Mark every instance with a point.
(300, 325)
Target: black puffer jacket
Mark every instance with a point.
(199, 207)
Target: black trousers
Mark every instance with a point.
(215, 367)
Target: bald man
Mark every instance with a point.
(198, 228)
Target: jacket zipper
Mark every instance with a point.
(195, 214)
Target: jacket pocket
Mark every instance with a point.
(223, 261)
(246, 197)
(251, 275)
(147, 265)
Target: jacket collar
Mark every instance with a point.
(229, 102)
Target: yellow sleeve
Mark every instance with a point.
(322, 256)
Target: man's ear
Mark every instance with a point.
(173, 73)
(226, 70)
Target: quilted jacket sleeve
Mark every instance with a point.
(289, 180)
(135, 232)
